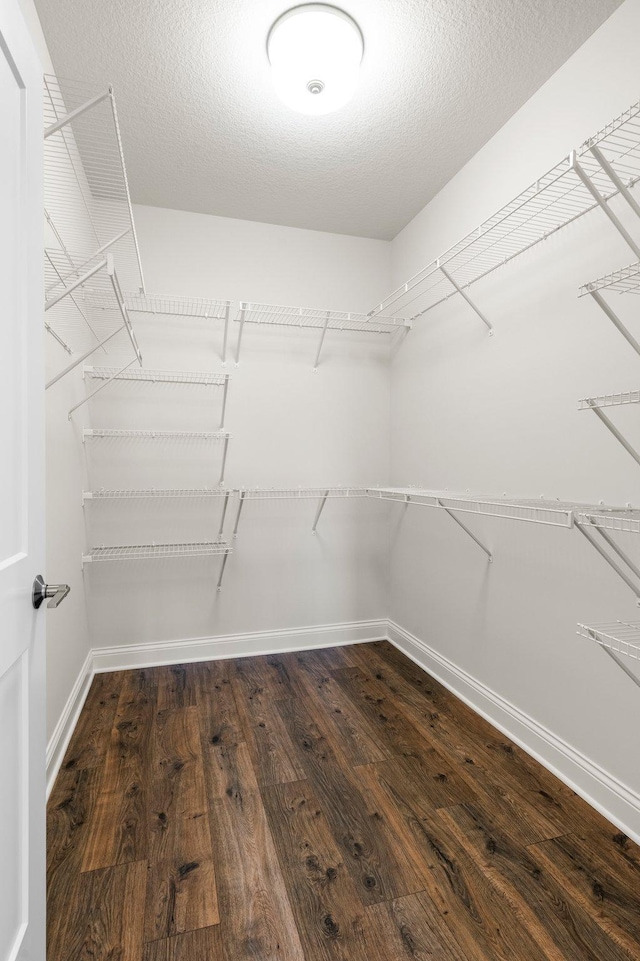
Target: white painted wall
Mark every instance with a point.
(500, 414)
(290, 427)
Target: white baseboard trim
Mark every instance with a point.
(616, 801)
(59, 740)
(236, 645)
(125, 657)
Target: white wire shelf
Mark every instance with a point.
(203, 378)
(299, 493)
(621, 637)
(622, 519)
(315, 318)
(154, 492)
(199, 307)
(87, 202)
(218, 435)
(618, 399)
(554, 513)
(626, 280)
(142, 551)
(573, 187)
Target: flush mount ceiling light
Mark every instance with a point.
(315, 52)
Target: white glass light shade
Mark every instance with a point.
(315, 52)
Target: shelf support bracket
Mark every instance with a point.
(615, 179)
(48, 304)
(601, 551)
(322, 336)
(466, 297)
(224, 463)
(224, 514)
(222, 567)
(616, 433)
(57, 337)
(224, 401)
(59, 124)
(117, 292)
(466, 530)
(243, 308)
(101, 387)
(599, 199)
(240, 504)
(79, 360)
(225, 338)
(323, 501)
(615, 320)
(621, 664)
(608, 539)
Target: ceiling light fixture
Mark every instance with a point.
(315, 52)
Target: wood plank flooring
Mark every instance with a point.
(333, 805)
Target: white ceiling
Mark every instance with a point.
(203, 130)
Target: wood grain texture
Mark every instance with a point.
(119, 828)
(202, 945)
(378, 864)
(350, 731)
(408, 930)
(557, 921)
(328, 912)
(274, 757)
(332, 805)
(610, 894)
(105, 921)
(90, 738)
(256, 916)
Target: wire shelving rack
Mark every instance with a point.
(606, 165)
(87, 202)
(615, 638)
(217, 435)
(617, 399)
(153, 492)
(316, 318)
(619, 636)
(321, 494)
(179, 308)
(131, 552)
(186, 436)
(147, 375)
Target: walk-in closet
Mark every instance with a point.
(320, 514)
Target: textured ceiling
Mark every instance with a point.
(203, 130)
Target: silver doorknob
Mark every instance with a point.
(54, 593)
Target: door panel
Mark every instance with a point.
(22, 747)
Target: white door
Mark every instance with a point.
(22, 658)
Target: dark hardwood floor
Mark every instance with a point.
(333, 805)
